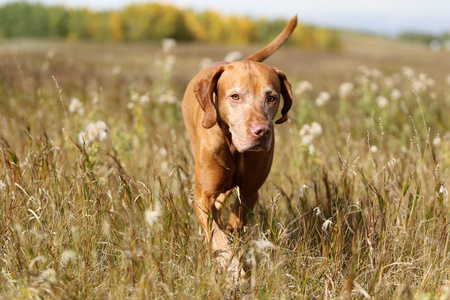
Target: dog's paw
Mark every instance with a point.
(229, 264)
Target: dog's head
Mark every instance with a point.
(248, 95)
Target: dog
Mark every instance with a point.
(229, 111)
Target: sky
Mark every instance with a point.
(389, 17)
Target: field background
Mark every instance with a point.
(356, 209)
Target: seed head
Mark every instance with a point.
(76, 106)
(323, 99)
(94, 131)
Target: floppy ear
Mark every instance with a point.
(204, 92)
(286, 91)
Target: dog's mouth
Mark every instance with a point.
(259, 148)
(250, 144)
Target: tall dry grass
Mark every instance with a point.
(356, 205)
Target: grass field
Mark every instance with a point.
(356, 205)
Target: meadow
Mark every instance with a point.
(96, 175)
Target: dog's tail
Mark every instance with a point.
(264, 53)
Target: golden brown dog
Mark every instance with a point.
(229, 111)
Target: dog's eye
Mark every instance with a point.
(271, 99)
(235, 97)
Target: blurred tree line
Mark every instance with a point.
(423, 37)
(151, 22)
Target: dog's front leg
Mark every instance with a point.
(209, 184)
(242, 206)
(208, 217)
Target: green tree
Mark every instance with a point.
(57, 17)
(77, 24)
(23, 19)
(268, 30)
(98, 27)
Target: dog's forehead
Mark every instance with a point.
(249, 72)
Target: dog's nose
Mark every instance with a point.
(260, 129)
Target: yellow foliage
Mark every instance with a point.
(241, 30)
(116, 24)
(213, 23)
(303, 36)
(195, 26)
